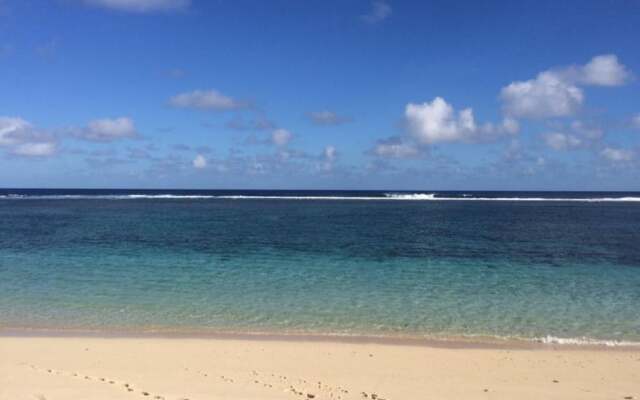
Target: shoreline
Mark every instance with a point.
(435, 341)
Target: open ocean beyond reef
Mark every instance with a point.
(551, 266)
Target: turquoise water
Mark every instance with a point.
(527, 269)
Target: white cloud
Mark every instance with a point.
(562, 141)
(617, 155)
(396, 148)
(108, 130)
(13, 130)
(587, 131)
(199, 162)
(438, 122)
(327, 118)
(21, 138)
(206, 100)
(578, 135)
(329, 156)
(545, 96)
(281, 137)
(330, 153)
(141, 6)
(510, 125)
(635, 121)
(380, 10)
(557, 92)
(37, 149)
(604, 70)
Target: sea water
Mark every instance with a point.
(439, 264)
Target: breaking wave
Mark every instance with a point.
(584, 341)
(381, 197)
(466, 197)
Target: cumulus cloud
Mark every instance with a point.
(108, 130)
(281, 137)
(380, 10)
(438, 122)
(199, 162)
(206, 100)
(616, 154)
(545, 96)
(557, 92)
(20, 138)
(141, 6)
(604, 70)
(327, 118)
(435, 122)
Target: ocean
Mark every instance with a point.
(547, 266)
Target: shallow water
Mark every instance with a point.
(105, 260)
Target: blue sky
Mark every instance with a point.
(352, 94)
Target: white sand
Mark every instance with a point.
(55, 368)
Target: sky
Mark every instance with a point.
(310, 94)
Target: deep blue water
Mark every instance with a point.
(524, 264)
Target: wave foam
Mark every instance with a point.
(466, 197)
(385, 197)
(584, 341)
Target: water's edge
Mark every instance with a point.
(450, 342)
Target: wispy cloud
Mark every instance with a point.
(107, 130)
(396, 147)
(40, 149)
(281, 137)
(207, 100)
(141, 6)
(562, 141)
(327, 118)
(578, 135)
(176, 73)
(328, 158)
(617, 155)
(380, 10)
(257, 124)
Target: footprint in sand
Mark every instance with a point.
(127, 386)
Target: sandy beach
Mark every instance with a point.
(253, 368)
